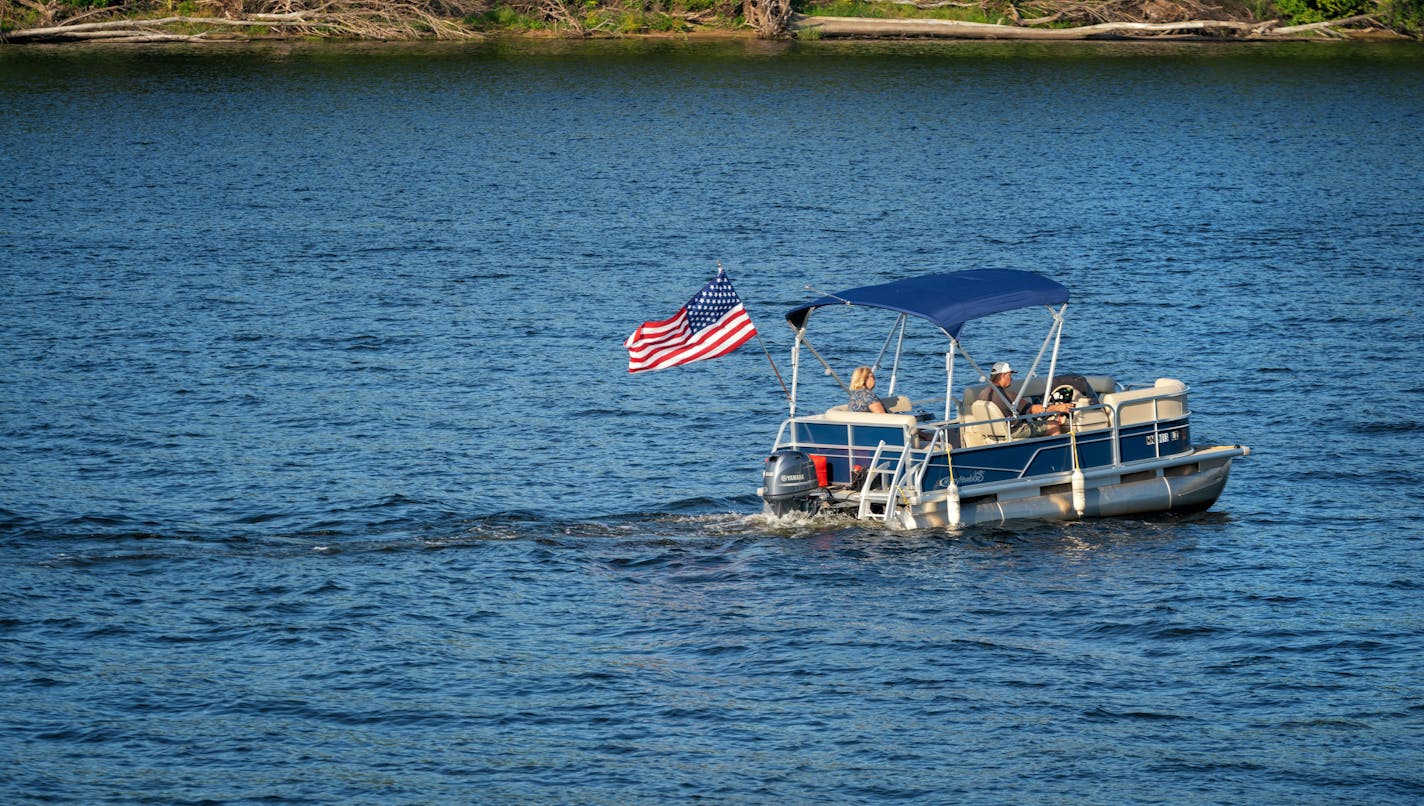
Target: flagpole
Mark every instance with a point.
(765, 351)
(784, 390)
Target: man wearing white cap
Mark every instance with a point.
(997, 392)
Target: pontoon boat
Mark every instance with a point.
(1121, 450)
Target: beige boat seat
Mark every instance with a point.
(1091, 419)
(840, 414)
(894, 404)
(973, 431)
(897, 404)
(1087, 416)
(1164, 400)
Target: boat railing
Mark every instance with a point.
(1165, 400)
(872, 472)
(1096, 419)
(905, 480)
(1081, 421)
(902, 474)
(781, 434)
(974, 429)
(892, 488)
(939, 440)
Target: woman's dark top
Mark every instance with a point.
(860, 399)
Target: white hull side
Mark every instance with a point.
(1189, 483)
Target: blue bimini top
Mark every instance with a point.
(948, 300)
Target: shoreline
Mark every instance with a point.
(337, 27)
(1355, 37)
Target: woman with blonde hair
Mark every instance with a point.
(862, 391)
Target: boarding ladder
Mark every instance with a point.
(888, 493)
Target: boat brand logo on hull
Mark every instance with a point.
(966, 478)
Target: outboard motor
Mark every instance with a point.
(789, 483)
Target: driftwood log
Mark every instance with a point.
(955, 29)
(135, 30)
(370, 20)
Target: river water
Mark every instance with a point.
(322, 478)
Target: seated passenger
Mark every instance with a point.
(862, 394)
(1000, 376)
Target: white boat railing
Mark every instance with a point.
(941, 435)
(904, 482)
(914, 479)
(780, 433)
(891, 488)
(895, 491)
(871, 472)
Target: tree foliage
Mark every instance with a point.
(1405, 16)
(1308, 11)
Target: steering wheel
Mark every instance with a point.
(1062, 394)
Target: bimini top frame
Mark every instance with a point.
(948, 301)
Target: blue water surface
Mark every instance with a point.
(322, 478)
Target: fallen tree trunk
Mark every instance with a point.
(369, 20)
(956, 29)
(145, 28)
(1320, 26)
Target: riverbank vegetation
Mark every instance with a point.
(30, 21)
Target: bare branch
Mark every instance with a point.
(861, 26)
(1322, 26)
(930, 5)
(770, 18)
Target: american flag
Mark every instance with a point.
(711, 324)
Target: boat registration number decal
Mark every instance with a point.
(1163, 437)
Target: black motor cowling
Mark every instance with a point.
(789, 483)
